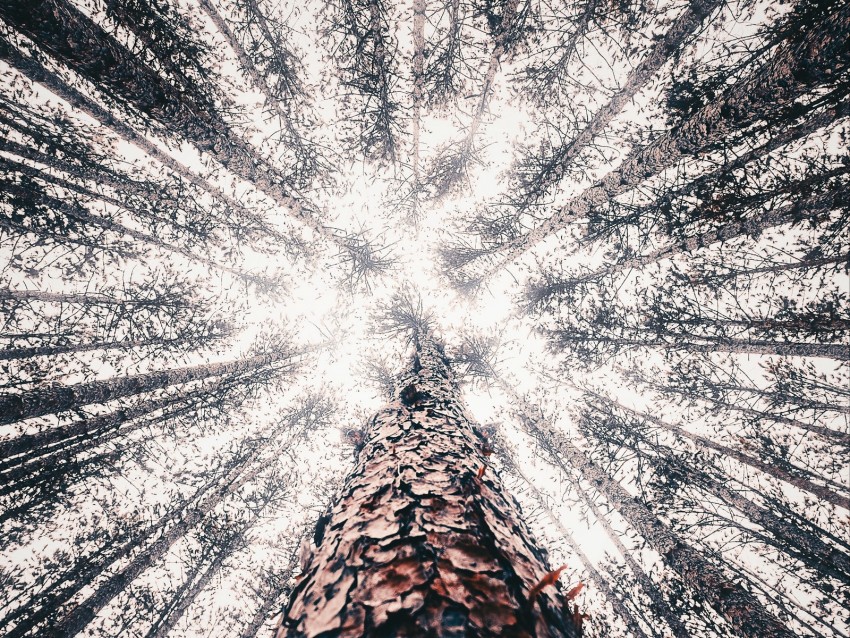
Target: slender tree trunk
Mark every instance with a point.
(715, 279)
(456, 161)
(271, 597)
(650, 589)
(100, 179)
(37, 73)
(199, 577)
(14, 354)
(419, 7)
(816, 205)
(771, 469)
(834, 436)
(96, 430)
(236, 221)
(817, 55)
(49, 600)
(421, 542)
(247, 468)
(687, 22)
(836, 351)
(26, 405)
(81, 213)
(745, 614)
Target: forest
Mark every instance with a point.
(436, 318)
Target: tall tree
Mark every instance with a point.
(423, 539)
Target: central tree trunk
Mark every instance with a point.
(421, 543)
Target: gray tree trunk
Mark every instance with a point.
(58, 398)
(745, 614)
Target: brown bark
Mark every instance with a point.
(420, 543)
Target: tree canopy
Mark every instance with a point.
(223, 222)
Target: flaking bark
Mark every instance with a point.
(418, 543)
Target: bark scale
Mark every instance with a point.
(421, 543)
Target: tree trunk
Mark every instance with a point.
(58, 398)
(836, 351)
(745, 614)
(650, 589)
(37, 73)
(249, 465)
(834, 436)
(420, 541)
(14, 354)
(803, 209)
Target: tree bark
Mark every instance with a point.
(421, 542)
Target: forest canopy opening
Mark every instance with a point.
(547, 301)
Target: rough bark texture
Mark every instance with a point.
(420, 542)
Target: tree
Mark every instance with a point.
(423, 538)
(652, 325)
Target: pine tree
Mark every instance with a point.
(423, 538)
